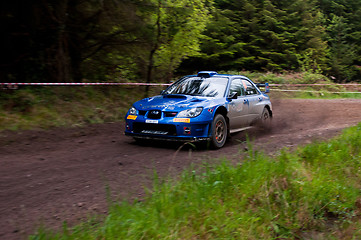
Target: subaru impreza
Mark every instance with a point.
(203, 107)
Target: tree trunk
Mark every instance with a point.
(152, 52)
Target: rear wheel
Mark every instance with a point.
(219, 131)
(266, 119)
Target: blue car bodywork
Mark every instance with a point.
(206, 106)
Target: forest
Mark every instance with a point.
(157, 40)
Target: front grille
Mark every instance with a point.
(154, 114)
(158, 129)
(141, 112)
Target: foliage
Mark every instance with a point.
(148, 40)
(313, 192)
(182, 23)
(174, 30)
(264, 35)
(342, 53)
(344, 37)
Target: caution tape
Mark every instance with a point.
(167, 84)
(15, 85)
(81, 84)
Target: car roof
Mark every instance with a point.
(210, 74)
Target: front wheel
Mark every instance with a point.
(219, 131)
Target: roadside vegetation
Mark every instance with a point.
(310, 193)
(44, 107)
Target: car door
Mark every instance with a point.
(238, 108)
(254, 98)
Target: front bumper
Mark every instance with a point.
(172, 139)
(168, 129)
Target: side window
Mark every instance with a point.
(249, 88)
(237, 86)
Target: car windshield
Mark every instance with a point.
(196, 86)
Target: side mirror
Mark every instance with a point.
(233, 95)
(266, 88)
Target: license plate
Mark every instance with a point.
(151, 121)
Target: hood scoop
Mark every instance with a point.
(178, 96)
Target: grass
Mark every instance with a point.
(47, 107)
(311, 193)
(313, 94)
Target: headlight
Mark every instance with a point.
(190, 113)
(133, 111)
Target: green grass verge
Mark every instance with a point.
(311, 193)
(47, 107)
(313, 95)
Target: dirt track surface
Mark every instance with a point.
(47, 177)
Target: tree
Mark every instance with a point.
(67, 40)
(342, 53)
(50, 40)
(174, 28)
(262, 35)
(344, 37)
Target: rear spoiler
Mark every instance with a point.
(265, 85)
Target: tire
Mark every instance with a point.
(266, 119)
(219, 132)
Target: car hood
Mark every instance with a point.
(172, 102)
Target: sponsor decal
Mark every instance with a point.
(154, 106)
(210, 110)
(187, 130)
(132, 117)
(182, 120)
(151, 121)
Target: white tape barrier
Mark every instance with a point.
(167, 84)
(315, 84)
(82, 84)
(15, 85)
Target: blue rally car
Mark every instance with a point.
(203, 107)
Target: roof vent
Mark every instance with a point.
(206, 74)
